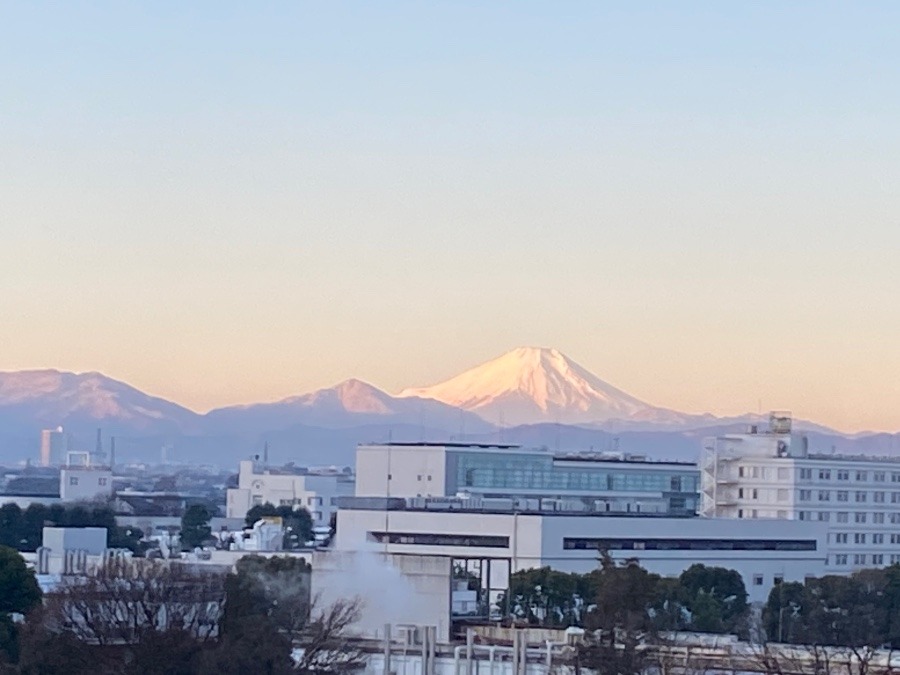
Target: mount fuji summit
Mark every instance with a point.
(529, 385)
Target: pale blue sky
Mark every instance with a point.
(225, 202)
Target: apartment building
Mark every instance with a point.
(773, 474)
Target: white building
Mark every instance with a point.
(85, 483)
(316, 493)
(763, 552)
(588, 481)
(772, 475)
(54, 446)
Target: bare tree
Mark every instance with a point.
(324, 644)
(120, 600)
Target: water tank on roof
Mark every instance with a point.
(780, 422)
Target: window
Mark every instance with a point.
(843, 474)
(782, 475)
(877, 538)
(740, 493)
(878, 559)
(859, 538)
(878, 497)
(860, 496)
(824, 496)
(895, 477)
(895, 497)
(824, 516)
(878, 476)
(777, 579)
(895, 518)
(755, 494)
(757, 579)
(426, 539)
(843, 495)
(803, 515)
(895, 559)
(840, 538)
(782, 495)
(860, 517)
(843, 517)
(859, 559)
(781, 514)
(840, 560)
(741, 472)
(805, 474)
(429, 477)
(895, 538)
(675, 544)
(824, 474)
(862, 475)
(101, 481)
(73, 480)
(805, 495)
(878, 518)
(419, 478)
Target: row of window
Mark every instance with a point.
(784, 473)
(843, 559)
(670, 544)
(846, 474)
(863, 538)
(426, 539)
(859, 496)
(860, 517)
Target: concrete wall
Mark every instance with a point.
(395, 589)
(84, 483)
(413, 470)
(90, 539)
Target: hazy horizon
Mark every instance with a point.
(225, 203)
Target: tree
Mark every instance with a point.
(546, 597)
(19, 594)
(621, 618)
(122, 601)
(11, 525)
(297, 522)
(276, 588)
(715, 597)
(195, 528)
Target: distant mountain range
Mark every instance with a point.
(533, 396)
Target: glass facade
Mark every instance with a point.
(523, 473)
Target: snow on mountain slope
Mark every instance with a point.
(532, 384)
(83, 400)
(349, 403)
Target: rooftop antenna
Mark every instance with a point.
(98, 448)
(266, 455)
(112, 453)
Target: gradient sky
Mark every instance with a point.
(224, 202)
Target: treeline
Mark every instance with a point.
(23, 529)
(148, 617)
(855, 611)
(703, 599)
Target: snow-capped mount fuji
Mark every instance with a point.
(535, 384)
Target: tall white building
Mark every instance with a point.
(54, 446)
(773, 474)
(317, 493)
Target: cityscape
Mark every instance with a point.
(449, 339)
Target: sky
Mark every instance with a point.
(225, 202)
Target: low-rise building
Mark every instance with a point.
(527, 536)
(281, 487)
(85, 483)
